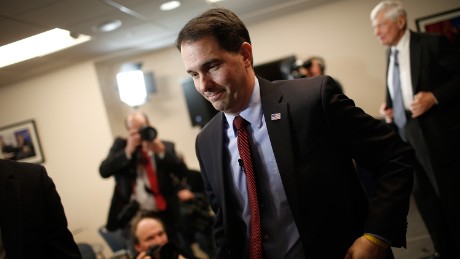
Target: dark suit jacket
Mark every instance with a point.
(124, 170)
(319, 133)
(435, 67)
(32, 219)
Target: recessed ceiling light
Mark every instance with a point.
(167, 6)
(108, 26)
(39, 45)
(214, 1)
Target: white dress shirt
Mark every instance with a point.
(404, 70)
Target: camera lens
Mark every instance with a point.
(148, 133)
(154, 251)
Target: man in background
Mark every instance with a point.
(32, 220)
(315, 66)
(423, 91)
(150, 239)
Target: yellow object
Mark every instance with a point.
(376, 241)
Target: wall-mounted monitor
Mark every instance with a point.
(279, 69)
(200, 110)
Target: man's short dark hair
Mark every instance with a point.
(222, 24)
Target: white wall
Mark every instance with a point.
(77, 115)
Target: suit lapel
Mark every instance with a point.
(415, 56)
(10, 217)
(220, 180)
(214, 159)
(279, 132)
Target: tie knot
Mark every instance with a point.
(239, 122)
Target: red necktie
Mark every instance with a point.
(153, 180)
(255, 239)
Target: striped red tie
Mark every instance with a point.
(255, 239)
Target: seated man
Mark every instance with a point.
(150, 239)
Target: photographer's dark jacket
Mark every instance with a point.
(124, 170)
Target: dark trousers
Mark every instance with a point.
(434, 198)
(432, 213)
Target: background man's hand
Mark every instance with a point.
(422, 102)
(386, 112)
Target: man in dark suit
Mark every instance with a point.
(32, 220)
(429, 84)
(304, 135)
(128, 161)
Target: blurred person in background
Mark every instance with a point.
(315, 66)
(151, 241)
(422, 94)
(32, 219)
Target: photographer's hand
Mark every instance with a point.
(155, 145)
(133, 141)
(143, 255)
(185, 195)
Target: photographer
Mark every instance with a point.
(151, 241)
(315, 66)
(143, 167)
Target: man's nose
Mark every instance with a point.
(206, 83)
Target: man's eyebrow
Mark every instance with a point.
(205, 65)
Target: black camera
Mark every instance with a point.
(148, 133)
(154, 251)
(168, 251)
(307, 64)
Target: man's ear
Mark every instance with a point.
(246, 53)
(401, 22)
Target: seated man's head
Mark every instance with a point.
(147, 232)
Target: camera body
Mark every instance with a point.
(167, 251)
(148, 133)
(154, 251)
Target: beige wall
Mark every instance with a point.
(78, 114)
(74, 133)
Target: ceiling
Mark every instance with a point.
(145, 27)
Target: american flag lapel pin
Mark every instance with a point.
(276, 116)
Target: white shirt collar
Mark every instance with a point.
(403, 43)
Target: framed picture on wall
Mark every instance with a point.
(20, 142)
(446, 23)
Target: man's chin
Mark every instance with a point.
(218, 106)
